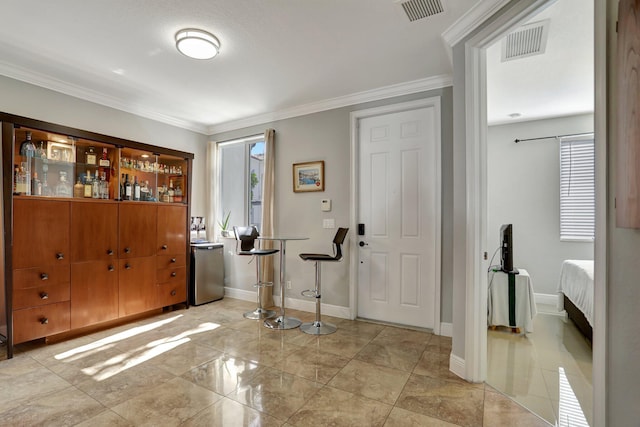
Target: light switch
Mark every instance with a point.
(325, 205)
(329, 223)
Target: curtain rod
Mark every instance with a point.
(553, 137)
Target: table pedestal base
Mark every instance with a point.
(318, 328)
(282, 322)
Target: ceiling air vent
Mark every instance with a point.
(528, 40)
(418, 9)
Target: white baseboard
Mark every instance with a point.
(548, 299)
(446, 329)
(456, 365)
(240, 294)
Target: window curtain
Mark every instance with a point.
(268, 187)
(212, 197)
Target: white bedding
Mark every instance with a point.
(576, 282)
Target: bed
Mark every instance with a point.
(576, 294)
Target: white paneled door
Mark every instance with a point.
(399, 195)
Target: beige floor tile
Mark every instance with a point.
(223, 374)
(229, 413)
(107, 418)
(223, 339)
(360, 328)
(435, 365)
(442, 399)
(183, 357)
(500, 411)
(24, 379)
(333, 407)
(123, 381)
(61, 408)
(275, 393)
(402, 418)
(267, 352)
(391, 353)
(169, 404)
(371, 381)
(314, 364)
(338, 343)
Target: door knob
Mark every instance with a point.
(361, 243)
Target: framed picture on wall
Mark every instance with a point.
(308, 176)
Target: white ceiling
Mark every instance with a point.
(276, 56)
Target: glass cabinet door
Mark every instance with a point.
(172, 179)
(138, 175)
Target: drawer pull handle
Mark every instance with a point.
(127, 250)
(111, 268)
(173, 274)
(59, 255)
(44, 321)
(173, 293)
(44, 295)
(127, 266)
(44, 276)
(164, 247)
(173, 260)
(109, 252)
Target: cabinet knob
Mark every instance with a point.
(173, 274)
(173, 260)
(127, 250)
(59, 255)
(164, 247)
(44, 321)
(44, 276)
(44, 295)
(127, 266)
(173, 293)
(109, 252)
(111, 268)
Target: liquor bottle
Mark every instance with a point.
(144, 190)
(91, 157)
(136, 189)
(122, 187)
(87, 185)
(177, 197)
(171, 191)
(104, 186)
(63, 188)
(127, 188)
(104, 161)
(27, 148)
(95, 187)
(78, 189)
(36, 185)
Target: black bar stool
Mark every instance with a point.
(246, 238)
(318, 327)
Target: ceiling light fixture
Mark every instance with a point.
(197, 44)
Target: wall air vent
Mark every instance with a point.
(528, 40)
(418, 9)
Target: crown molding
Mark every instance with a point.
(76, 91)
(468, 22)
(407, 88)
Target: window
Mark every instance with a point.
(241, 174)
(577, 188)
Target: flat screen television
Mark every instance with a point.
(506, 248)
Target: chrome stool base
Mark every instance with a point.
(259, 313)
(282, 322)
(318, 328)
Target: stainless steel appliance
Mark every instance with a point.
(206, 283)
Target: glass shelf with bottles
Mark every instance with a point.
(52, 165)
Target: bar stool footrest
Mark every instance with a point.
(310, 293)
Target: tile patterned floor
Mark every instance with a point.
(207, 366)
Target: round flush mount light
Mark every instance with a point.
(197, 44)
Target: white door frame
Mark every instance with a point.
(476, 192)
(355, 117)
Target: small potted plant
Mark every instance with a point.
(224, 225)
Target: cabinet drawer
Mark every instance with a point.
(173, 275)
(40, 295)
(46, 275)
(170, 293)
(38, 322)
(171, 261)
